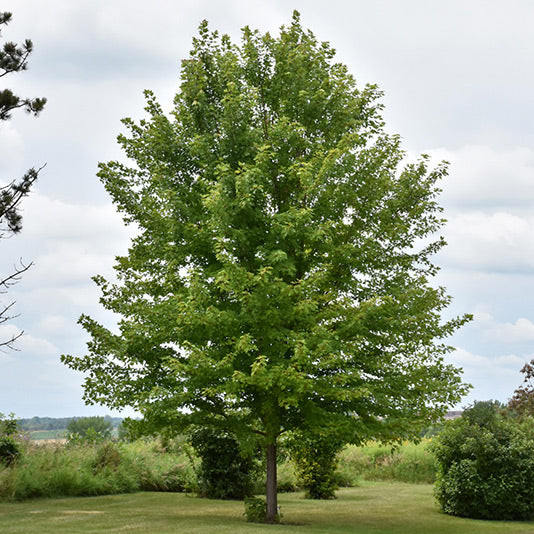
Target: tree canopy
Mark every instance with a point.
(14, 58)
(281, 277)
(90, 426)
(522, 401)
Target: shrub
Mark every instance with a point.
(486, 466)
(483, 413)
(256, 510)
(124, 434)
(522, 401)
(10, 450)
(9, 426)
(287, 480)
(10, 446)
(226, 472)
(91, 429)
(316, 457)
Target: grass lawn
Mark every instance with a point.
(374, 507)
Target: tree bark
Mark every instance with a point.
(272, 503)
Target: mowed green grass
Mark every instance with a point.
(374, 507)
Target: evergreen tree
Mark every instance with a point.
(14, 58)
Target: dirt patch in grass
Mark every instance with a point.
(82, 512)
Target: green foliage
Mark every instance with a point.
(9, 450)
(14, 58)
(38, 435)
(281, 276)
(53, 471)
(406, 462)
(522, 401)
(316, 458)
(486, 466)
(226, 472)
(483, 413)
(108, 456)
(9, 425)
(174, 479)
(10, 440)
(168, 468)
(91, 429)
(287, 480)
(123, 433)
(256, 511)
(171, 465)
(94, 469)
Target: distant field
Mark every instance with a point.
(374, 507)
(47, 434)
(37, 435)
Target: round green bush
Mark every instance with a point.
(9, 450)
(10, 439)
(226, 471)
(486, 467)
(316, 458)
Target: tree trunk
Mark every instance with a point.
(272, 504)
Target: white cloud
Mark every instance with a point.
(492, 378)
(519, 332)
(67, 264)
(483, 176)
(27, 343)
(53, 324)
(11, 149)
(55, 220)
(498, 241)
(68, 243)
(36, 346)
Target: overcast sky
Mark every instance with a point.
(458, 83)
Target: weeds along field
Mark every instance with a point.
(61, 470)
(408, 462)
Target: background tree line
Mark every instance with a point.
(58, 423)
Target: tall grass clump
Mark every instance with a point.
(163, 466)
(406, 462)
(85, 469)
(54, 471)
